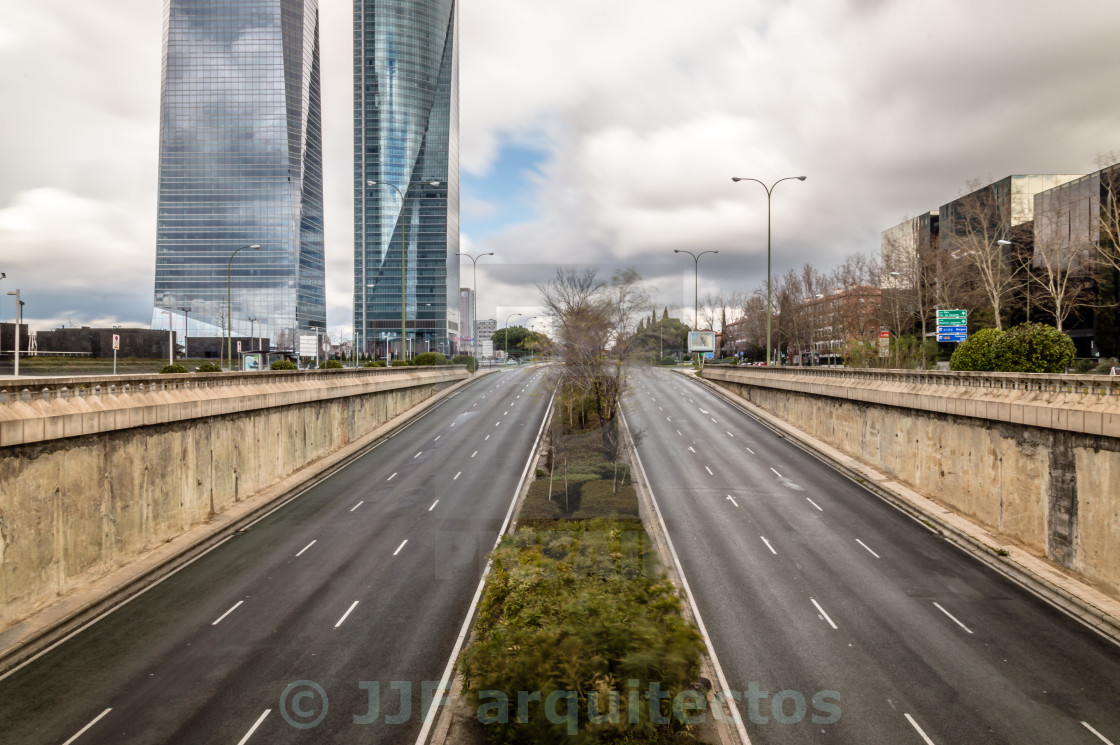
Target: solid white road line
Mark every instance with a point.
(830, 623)
(253, 729)
(433, 505)
(750, 451)
(709, 471)
(231, 610)
(474, 453)
(457, 476)
(418, 455)
(347, 613)
(1098, 734)
(776, 473)
(392, 477)
(950, 615)
(915, 726)
(359, 504)
(814, 504)
(400, 547)
(732, 500)
(309, 545)
(868, 548)
(98, 717)
(768, 545)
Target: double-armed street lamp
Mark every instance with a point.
(695, 283)
(229, 301)
(769, 189)
(19, 321)
(506, 327)
(186, 327)
(400, 221)
(474, 296)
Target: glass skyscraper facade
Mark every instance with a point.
(241, 165)
(406, 135)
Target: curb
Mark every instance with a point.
(53, 624)
(1040, 577)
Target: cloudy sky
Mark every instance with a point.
(592, 131)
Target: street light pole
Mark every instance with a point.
(229, 301)
(769, 190)
(170, 336)
(19, 320)
(695, 283)
(474, 297)
(186, 327)
(506, 326)
(400, 220)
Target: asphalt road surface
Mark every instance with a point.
(858, 623)
(330, 620)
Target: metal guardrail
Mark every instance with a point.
(1100, 385)
(27, 389)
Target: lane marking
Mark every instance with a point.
(231, 610)
(868, 548)
(768, 545)
(704, 411)
(418, 455)
(776, 473)
(660, 409)
(347, 613)
(253, 729)
(950, 615)
(1087, 726)
(669, 418)
(457, 476)
(400, 547)
(486, 438)
(392, 477)
(437, 437)
(830, 623)
(690, 449)
(714, 420)
(359, 504)
(97, 718)
(915, 726)
(709, 471)
(750, 451)
(505, 412)
(453, 424)
(814, 504)
(730, 435)
(496, 423)
(732, 500)
(309, 545)
(679, 433)
(433, 505)
(474, 453)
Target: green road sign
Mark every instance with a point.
(951, 314)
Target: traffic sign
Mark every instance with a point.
(952, 337)
(950, 314)
(116, 341)
(952, 329)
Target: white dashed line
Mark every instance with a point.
(915, 726)
(776, 473)
(496, 423)
(309, 545)
(97, 718)
(474, 453)
(437, 437)
(732, 499)
(359, 504)
(814, 504)
(714, 420)
(825, 615)
(950, 615)
(868, 548)
(347, 613)
(231, 610)
(709, 471)
(457, 476)
(690, 449)
(253, 729)
(418, 455)
(433, 505)
(750, 451)
(1087, 726)
(768, 545)
(730, 435)
(486, 438)
(679, 433)
(400, 547)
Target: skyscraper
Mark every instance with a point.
(240, 166)
(406, 136)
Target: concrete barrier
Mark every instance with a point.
(96, 471)
(1033, 458)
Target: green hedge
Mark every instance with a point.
(401, 363)
(430, 358)
(209, 367)
(577, 613)
(330, 365)
(168, 369)
(284, 365)
(1033, 348)
(466, 359)
(375, 363)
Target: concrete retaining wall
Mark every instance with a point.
(96, 471)
(1034, 459)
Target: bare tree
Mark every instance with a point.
(972, 233)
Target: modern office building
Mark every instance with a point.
(240, 167)
(406, 175)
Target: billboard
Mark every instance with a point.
(701, 341)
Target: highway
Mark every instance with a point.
(331, 619)
(844, 610)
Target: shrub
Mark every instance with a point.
(731, 360)
(668, 360)
(429, 358)
(466, 359)
(1106, 365)
(375, 363)
(975, 352)
(330, 365)
(284, 365)
(1033, 347)
(175, 368)
(401, 363)
(209, 367)
(1084, 366)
